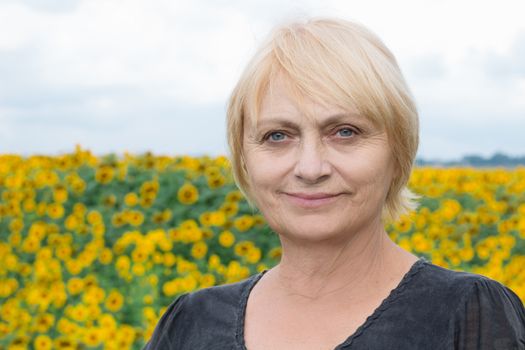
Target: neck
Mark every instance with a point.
(322, 270)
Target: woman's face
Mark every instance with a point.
(319, 176)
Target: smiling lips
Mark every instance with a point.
(311, 200)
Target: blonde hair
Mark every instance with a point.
(338, 62)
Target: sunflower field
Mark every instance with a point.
(94, 249)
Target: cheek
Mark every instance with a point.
(366, 172)
(267, 176)
(265, 171)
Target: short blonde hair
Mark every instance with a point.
(337, 62)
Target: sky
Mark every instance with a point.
(155, 75)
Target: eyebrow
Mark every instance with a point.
(333, 119)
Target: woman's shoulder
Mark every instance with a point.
(429, 291)
(460, 286)
(224, 295)
(452, 310)
(483, 313)
(442, 293)
(201, 300)
(458, 283)
(214, 309)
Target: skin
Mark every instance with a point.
(338, 263)
(335, 253)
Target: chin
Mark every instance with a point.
(310, 230)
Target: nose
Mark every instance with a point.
(312, 165)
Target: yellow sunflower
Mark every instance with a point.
(188, 194)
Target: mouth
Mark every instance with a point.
(311, 200)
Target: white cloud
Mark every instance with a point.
(14, 31)
(414, 27)
(110, 64)
(187, 53)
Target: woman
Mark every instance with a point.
(323, 133)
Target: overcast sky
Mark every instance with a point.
(154, 75)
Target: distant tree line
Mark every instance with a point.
(498, 159)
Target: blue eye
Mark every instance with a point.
(276, 136)
(346, 132)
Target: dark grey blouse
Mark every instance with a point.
(431, 308)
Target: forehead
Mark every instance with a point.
(282, 101)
